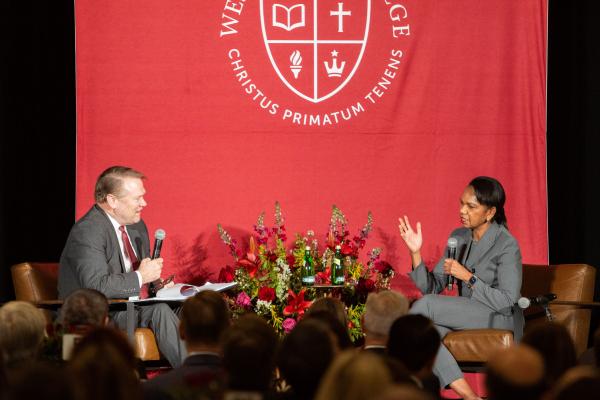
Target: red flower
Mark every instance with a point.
(290, 261)
(266, 293)
(272, 257)
(296, 303)
(249, 266)
(323, 277)
(365, 285)
(347, 250)
(251, 257)
(383, 267)
(226, 274)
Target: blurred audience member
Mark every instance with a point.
(516, 373)
(597, 347)
(381, 310)
(354, 376)
(103, 366)
(304, 356)
(3, 380)
(203, 320)
(415, 341)
(249, 349)
(331, 305)
(84, 308)
(39, 380)
(340, 332)
(404, 392)
(22, 330)
(577, 383)
(555, 345)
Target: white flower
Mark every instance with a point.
(263, 307)
(283, 279)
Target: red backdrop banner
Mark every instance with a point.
(387, 106)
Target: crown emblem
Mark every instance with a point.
(333, 70)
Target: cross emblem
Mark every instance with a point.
(340, 13)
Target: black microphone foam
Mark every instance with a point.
(452, 244)
(159, 236)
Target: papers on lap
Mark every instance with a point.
(181, 291)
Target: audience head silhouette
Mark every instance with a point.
(305, 355)
(415, 342)
(103, 366)
(515, 373)
(203, 320)
(555, 345)
(381, 310)
(249, 348)
(22, 330)
(354, 376)
(85, 307)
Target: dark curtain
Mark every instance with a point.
(574, 135)
(37, 132)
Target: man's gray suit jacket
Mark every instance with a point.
(92, 257)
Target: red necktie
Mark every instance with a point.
(128, 249)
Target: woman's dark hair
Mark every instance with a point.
(490, 192)
(305, 354)
(414, 341)
(249, 350)
(335, 326)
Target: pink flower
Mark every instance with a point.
(243, 300)
(266, 293)
(288, 324)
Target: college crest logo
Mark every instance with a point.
(315, 47)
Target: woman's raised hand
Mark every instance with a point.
(413, 240)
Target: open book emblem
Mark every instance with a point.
(315, 46)
(288, 18)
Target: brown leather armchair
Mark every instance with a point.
(37, 282)
(572, 283)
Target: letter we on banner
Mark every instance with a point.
(389, 106)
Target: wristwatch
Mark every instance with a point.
(472, 281)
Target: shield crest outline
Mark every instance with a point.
(315, 99)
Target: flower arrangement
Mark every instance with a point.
(269, 274)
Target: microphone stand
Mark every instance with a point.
(545, 305)
(549, 315)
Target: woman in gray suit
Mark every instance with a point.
(487, 271)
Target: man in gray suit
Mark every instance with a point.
(108, 250)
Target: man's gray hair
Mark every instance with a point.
(382, 309)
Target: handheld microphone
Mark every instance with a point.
(540, 300)
(452, 244)
(159, 236)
